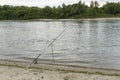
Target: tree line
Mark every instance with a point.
(77, 10)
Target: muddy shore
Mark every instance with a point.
(15, 70)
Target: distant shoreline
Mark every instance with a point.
(116, 18)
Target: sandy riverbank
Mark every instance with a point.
(101, 18)
(18, 71)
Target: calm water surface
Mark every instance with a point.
(91, 43)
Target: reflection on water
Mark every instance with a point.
(94, 43)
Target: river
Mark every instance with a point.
(88, 42)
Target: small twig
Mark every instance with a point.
(52, 54)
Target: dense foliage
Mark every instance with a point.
(78, 10)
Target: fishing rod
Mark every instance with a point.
(35, 60)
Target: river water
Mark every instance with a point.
(91, 43)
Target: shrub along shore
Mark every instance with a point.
(73, 11)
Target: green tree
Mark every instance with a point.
(112, 8)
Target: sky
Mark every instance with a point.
(42, 3)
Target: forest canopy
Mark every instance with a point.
(73, 11)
